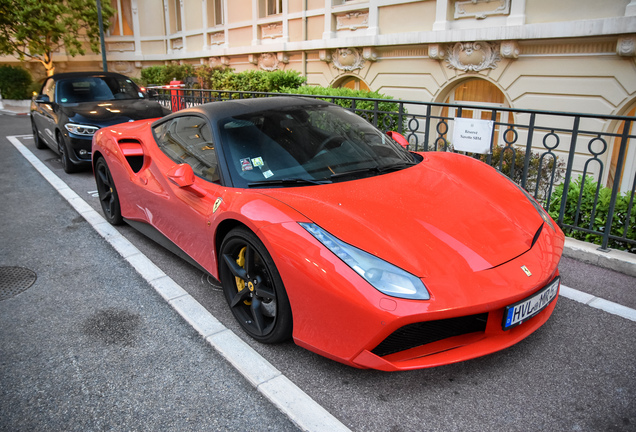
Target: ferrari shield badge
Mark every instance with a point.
(526, 271)
(217, 203)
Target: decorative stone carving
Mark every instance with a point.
(473, 56)
(176, 44)
(352, 20)
(217, 38)
(347, 59)
(121, 46)
(436, 51)
(272, 31)
(626, 46)
(253, 59)
(268, 62)
(219, 61)
(122, 67)
(509, 49)
(480, 9)
(282, 57)
(325, 56)
(369, 54)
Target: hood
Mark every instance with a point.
(112, 112)
(449, 213)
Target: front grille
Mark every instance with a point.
(422, 333)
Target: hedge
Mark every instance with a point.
(15, 82)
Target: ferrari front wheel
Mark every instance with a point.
(108, 197)
(253, 287)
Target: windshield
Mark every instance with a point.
(91, 89)
(307, 145)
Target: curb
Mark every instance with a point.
(620, 261)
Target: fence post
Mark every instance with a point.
(568, 170)
(616, 187)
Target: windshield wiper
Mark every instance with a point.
(288, 182)
(379, 169)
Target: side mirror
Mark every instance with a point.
(183, 176)
(42, 99)
(152, 93)
(399, 138)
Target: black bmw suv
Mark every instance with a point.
(71, 107)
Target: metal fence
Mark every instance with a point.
(579, 166)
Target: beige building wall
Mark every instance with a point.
(565, 55)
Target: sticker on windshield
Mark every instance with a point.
(246, 164)
(268, 173)
(257, 162)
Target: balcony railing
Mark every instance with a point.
(538, 149)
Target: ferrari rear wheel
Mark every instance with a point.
(253, 288)
(107, 192)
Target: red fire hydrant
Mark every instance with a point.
(177, 99)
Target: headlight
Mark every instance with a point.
(78, 129)
(385, 277)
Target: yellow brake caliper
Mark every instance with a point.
(240, 283)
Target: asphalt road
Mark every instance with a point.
(90, 346)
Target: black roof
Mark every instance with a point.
(65, 75)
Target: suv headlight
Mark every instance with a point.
(383, 276)
(79, 129)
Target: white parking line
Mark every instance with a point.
(599, 303)
(301, 409)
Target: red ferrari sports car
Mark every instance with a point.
(323, 229)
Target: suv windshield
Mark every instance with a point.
(92, 88)
(307, 145)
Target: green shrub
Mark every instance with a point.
(512, 164)
(387, 120)
(162, 75)
(594, 217)
(15, 82)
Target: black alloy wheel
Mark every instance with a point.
(107, 192)
(253, 288)
(39, 144)
(67, 164)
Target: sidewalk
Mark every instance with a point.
(15, 107)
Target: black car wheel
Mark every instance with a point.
(107, 193)
(253, 288)
(39, 144)
(69, 167)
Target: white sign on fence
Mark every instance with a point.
(472, 135)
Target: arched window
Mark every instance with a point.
(479, 92)
(353, 83)
(629, 163)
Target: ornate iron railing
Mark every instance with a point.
(550, 154)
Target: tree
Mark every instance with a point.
(35, 29)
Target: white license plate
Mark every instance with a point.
(519, 312)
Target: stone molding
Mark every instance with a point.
(352, 20)
(509, 49)
(481, 9)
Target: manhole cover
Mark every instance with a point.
(14, 280)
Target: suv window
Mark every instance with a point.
(188, 139)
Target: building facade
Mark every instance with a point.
(566, 55)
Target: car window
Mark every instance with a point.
(311, 144)
(96, 89)
(188, 139)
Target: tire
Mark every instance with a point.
(253, 288)
(67, 164)
(39, 144)
(108, 197)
